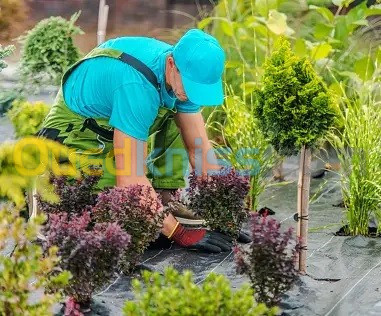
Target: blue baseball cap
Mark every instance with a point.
(200, 60)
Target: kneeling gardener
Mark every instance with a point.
(129, 88)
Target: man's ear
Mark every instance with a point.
(171, 61)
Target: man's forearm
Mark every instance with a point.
(202, 158)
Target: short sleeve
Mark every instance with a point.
(187, 107)
(134, 110)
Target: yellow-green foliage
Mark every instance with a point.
(23, 161)
(27, 117)
(294, 106)
(27, 273)
(177, 294)
(358, 147)
(249, 150)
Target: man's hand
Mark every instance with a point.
(201, 239)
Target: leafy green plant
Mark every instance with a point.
(26, 274)
(23, 161)
(27, 117)
(48, 50)
(5, 52)
(136, 210)
(358, 146)
(177, 294)
(295, 111)
(243, 144)
(7, 96)
(270, 260)
(294, 106)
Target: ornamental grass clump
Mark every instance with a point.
(90, 252)
(29, 282)
(220, 200)
(177, 294)
(358, 146)
(48, 50)
(27, 117)
(75, 195)
(137, 211)
(269, 262)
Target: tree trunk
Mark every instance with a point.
(303, 204)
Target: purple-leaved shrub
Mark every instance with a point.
(75, 195)
(90, 252)
(137, 211)
(269, 261)
(220, 200)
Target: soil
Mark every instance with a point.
(343, 271)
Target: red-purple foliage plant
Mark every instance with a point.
(136, 210)
(269, 261)
(75, 194)
(220, 200)
(90, 253)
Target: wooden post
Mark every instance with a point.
(303, 204)
(102, 21)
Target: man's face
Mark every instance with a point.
(173, 79)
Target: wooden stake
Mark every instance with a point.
(102, 21)
(303, 205)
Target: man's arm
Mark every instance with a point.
(130, 157)
(195, 137)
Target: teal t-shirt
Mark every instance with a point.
(104, 87)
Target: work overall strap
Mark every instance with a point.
(95, 124)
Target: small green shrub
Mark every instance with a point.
(48, 50)
(294, 106)
(26, 273)
(177, 295)
(27, 117)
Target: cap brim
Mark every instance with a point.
(203, 94)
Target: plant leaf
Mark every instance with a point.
(321, 51)
(325, 12)
(300, 47)
(277, 22)
(204, 23)
(364, 68)
(227, 28)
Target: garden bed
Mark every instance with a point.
(343, 272)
